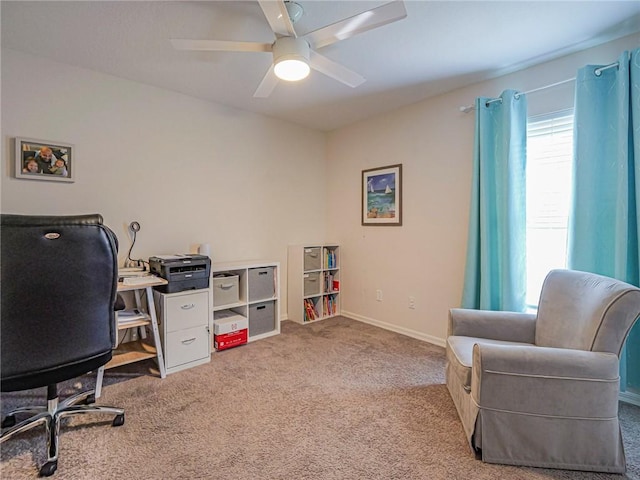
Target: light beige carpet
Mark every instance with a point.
(336, 399)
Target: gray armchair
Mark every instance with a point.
(542, 390)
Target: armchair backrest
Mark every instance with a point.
(585, 311)
(59, 282)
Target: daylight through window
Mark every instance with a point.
(549, 163)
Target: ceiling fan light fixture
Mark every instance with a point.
(291, 59)
(292, 70)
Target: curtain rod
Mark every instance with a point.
(598, 71)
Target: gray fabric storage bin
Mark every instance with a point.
(261, 283)
(312, 258)
(311, 283)
(261, 318)
(225, 290)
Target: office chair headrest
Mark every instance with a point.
(50, 220)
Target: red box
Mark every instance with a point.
(228, 340)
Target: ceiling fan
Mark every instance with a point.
(294, 55)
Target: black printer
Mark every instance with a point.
(183, 272)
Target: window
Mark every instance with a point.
(549, 161)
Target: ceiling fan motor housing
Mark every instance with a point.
(290, 48)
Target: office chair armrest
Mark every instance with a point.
(495, 325)
(557, 382)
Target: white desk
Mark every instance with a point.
(140, 349)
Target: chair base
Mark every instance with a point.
(51, 416)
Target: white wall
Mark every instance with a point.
(192, 171)
(188, 170)
(433, 140)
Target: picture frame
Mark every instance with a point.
(47, 160)
(382, 196)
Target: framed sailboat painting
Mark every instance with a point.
(382, 196)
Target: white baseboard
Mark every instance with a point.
(394, 328)
(629, 397)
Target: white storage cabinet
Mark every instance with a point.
(185, 328)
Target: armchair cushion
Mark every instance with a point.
(460, 355)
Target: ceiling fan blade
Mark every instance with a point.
(220, 45)
(267, 84)
(278, 17)
(376, 17)
(334, 70)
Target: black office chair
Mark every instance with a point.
(59, 280)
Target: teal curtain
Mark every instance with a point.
(604, 222)
(495, 276)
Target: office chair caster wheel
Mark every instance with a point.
(119, 420)
(90, 399)
(49, 468)
(9, 421)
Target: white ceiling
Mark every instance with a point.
(439, 46)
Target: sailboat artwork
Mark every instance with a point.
(381, 196)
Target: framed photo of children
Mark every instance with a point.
(382, 196)
(44, 160)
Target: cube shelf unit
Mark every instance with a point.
(258, 295)
(313, 282)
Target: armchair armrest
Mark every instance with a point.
(495, 325)
(533, 380)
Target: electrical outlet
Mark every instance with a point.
(412, 303)
(379, 295)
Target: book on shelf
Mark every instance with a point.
(329, 258)
(329, 306)
(131, 315)
(328, 281)
(310, 312)
(331, 285)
